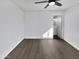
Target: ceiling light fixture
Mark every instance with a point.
(52, 3)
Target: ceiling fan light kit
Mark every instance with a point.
(50, 3)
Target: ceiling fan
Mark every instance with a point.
(50, 3)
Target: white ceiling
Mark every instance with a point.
(29, 4)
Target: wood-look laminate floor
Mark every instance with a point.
(44, 49)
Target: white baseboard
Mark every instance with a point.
(12, 48)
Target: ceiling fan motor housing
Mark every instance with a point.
(52, 1)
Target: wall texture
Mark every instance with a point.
(38, 22)
(71, 24)
(11, 27)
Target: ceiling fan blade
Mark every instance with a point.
(46, 5)
(41, 2)
(58, 4)
(57, 0)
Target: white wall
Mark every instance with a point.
(11, 27)
(71, 32)
(38, 22)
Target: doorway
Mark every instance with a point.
(56, 31)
